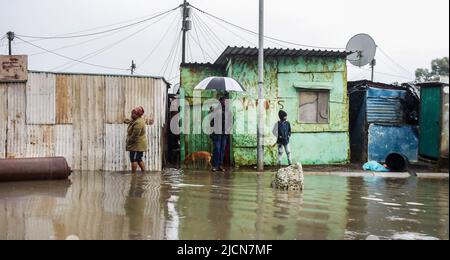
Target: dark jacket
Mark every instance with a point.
(282, 130)
(227, 122)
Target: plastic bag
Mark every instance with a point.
(375, 167)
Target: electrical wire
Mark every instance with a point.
(166, 63)
(393, 61)
(161, 40)
(207, 28)
(101, 32)
(69, 58)
(235, 34)
(268, 37)
(208, 38)
(200, 46)
(97, 52)
(174, 58)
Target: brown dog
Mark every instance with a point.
(193, 158)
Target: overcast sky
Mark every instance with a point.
(411, 32)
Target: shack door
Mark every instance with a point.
(430, 122)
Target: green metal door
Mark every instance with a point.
(430, 122)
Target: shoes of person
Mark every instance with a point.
(221, 169)
(214, 170)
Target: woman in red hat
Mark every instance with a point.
(137, 142)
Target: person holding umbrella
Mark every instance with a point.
(221, 122)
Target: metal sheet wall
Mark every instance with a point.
(385, 106)
(41, 99)
(81, 118)
(17, 128)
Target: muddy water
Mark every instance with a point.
(223, 206)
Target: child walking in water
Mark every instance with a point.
(282, 130)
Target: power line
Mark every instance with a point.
(174, 58)
(387, 74)
(166, 63)
(200, 46)
(209, 38)
(235, 34)
(97, 52)
(69, 58)
(161, 40)
(205, 25)
(393, 61)
(268, 37)
(101, 32)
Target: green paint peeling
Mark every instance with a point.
(285, 78)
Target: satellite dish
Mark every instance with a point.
(363, 49)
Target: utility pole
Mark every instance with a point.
(10, 39)
(186, 26)
(133, 67)
(261, 101)
(373, 63)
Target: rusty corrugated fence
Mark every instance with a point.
(80, 117)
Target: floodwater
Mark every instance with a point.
(201, 205)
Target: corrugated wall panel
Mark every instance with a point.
(41, 99)
(3, 118)
(115, 145)
(63, 141)
(40, 141)
(115, 100)
(89, 108)
(75, 82)
(63, 99)
(17, 128)
(385, 106)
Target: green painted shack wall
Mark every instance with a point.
(191, 76)
(311, 144)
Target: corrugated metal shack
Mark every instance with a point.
(383, 120)
(80, 117)
(310, 85)
(434, 122)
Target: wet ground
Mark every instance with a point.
(201, 205)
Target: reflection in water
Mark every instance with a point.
(201, 205)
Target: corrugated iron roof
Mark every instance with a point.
(250, 51)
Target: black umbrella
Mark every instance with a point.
(220, 83)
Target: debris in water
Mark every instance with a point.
(289, 179)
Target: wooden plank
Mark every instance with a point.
(40, 141)
(17, 128)
(41, 99)
(14, 68)
(63, 100)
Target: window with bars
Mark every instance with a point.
(314, 106)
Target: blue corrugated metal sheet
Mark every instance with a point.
(385, 106)
(384, 140)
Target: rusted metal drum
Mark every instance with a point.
(31, 169)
